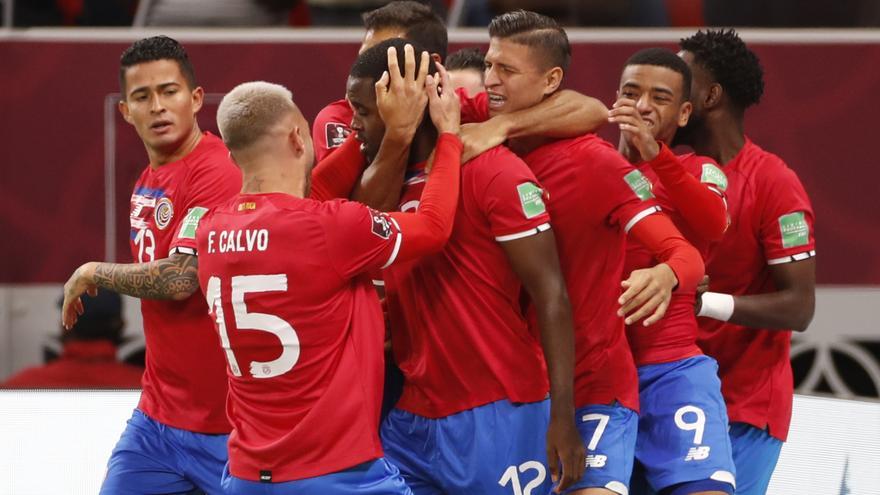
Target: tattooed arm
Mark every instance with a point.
(174, 277)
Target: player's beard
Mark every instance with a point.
(688, 134)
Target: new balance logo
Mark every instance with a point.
(596, 460)
(697, 454)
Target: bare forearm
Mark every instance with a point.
(562, 115)
(175, 277)
(782, 310)
(557, 341)
(380, 185)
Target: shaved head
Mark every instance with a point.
(254, 110)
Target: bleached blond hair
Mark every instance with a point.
(250, 110)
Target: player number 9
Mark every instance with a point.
(697, 426)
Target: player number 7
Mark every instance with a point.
(241, 285)
(600, 428)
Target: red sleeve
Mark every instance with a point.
(512, 200)
(701, 200)
(211, 183)
(330, 128)
(659, 235)
(473, 108)
(622, 195)
(786, 217)
(360, 238)
(428, 229)
(335, 176)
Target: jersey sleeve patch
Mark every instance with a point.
(191, 222)
(794, 230)
(639, 184)
(381, 225)
(531, 198)
(336, 134)
(713, 175)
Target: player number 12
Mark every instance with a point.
(241, 285)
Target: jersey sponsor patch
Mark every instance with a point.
(163, 212)
(794, 230)
(639, 185)
(381, 224)
(191, 222)
(713, 175)
(531, 197)
(336, 134)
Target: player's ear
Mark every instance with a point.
(435, 57)
(296, 139)
(553, 80)
(123, 109)
(684, 113)
(198, 98)
(713, 96)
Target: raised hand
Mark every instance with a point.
(443, 103)
(634, 130)
(81, 282)
(401, 99)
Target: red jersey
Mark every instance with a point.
(771, 223)
(82, 364)
(332, 125)
(184, 385)
(675, 336)
(457, 328)
(596, 196)
(301, 327)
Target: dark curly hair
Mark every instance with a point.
(156, 48)
(374, 61)
(416, 19)
(466, 58)
(735, 67)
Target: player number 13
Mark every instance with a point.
(241, 285)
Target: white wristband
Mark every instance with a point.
(716, 306)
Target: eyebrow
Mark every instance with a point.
(161, 87)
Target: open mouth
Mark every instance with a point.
(496, 100)
(160, 126)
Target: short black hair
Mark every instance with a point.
(661, 57)
(536, 31)
(156, 48)
(373, 62)
(466, 58)
(417, 20)
(735, 67)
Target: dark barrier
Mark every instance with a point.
(60, 136)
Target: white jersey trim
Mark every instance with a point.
(519, 235)
(183, 250)
(397, 243)
(378, 283)
(639, 216)
(795, 257)
(724, 477)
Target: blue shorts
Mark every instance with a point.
(683, 425)
(495, 449)
(153, 458)
(755, 454)
(377, 477)
(609, 435)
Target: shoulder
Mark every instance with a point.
(768, 169)
(494, 162)
(211, 157)
(338, 111)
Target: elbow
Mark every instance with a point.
(183, 294)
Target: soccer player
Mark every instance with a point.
(597, 199)
(175, 440)
(762, 274)
(682, 446)
(285, 280)
(465, 68)
(473, 412)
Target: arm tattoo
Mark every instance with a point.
(175, 277)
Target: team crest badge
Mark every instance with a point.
(163, 213)
(336, 134)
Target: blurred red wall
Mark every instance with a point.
(819, 113)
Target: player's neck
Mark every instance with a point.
(725, 139)
(263, 175)
(525, 145)
(631, 154)
(159, 158)
(423, 144)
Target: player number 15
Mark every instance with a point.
(241, 285)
